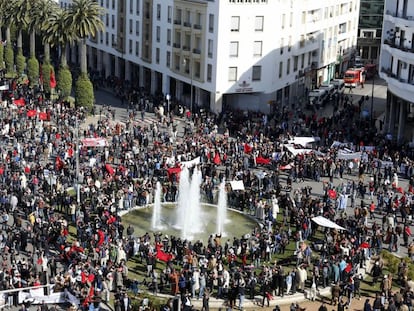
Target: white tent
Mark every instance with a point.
(325, 222)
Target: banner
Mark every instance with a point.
(191, 163)
(237, 185)
(348, 156)
(94, 142)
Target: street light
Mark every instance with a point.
(372, 101)
(168, 97)
(189, 63)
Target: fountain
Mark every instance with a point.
(188, 218)
(156, 213)
(221, 209)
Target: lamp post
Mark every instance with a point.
(372, 102)
(189, 63)
(77, 162)
(168, 97)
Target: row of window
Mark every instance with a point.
(257, 70)
(235, 23)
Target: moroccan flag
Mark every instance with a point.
(109, 169)
(31, 113)
(59, 163)
(52, 79)
(348, 268)
(261, 160)
(43, 116)
(161, 255)
(247, 148)
(19, 102)
(217, 159)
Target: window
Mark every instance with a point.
(234, 49)
(136, 48)
(280, 69)
(131, 6)
(158, 11)
(101, 37)
(209, 72)
(157, 55)
(106, 38)
(303, 61)
(130, 26)
(158, 33)
(258, 23)
(291, 20)
(168, 36)
(210, 48)
(295, 63)
(113, 21)
(211, 23)
(169, 13)
(137, 28)
(288, 66)
(235, 23)
(107, 4)
(168, 59)
(107, 20)
(113, 4)
(282, 42)
(257, 48)
(130, 46)
(232, 73)
(113, 42)
(283, 20)
(138, 6)
(256, 73)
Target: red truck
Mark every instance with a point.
(353, 76)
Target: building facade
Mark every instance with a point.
(397, 66)
(225, 54)
(370, 30)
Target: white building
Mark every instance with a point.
(397, 66)
(246, 54)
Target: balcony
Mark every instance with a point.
(186, 48)
(177, 22)
(187, 24)
(197, 26)
(197, 51)
(399, 18)
(177, 45)
(398, 85)
(399, 50)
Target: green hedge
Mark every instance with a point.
(33, 70)
(46, 68)
(1, 56)
(84, 92)
(64, 81)
(20, 63)
(9, 58)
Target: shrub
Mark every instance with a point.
(84, 92)
(33, 70)
(46, 68)
(1, 56)
(64, 81)
(20, 63)
(9, 58)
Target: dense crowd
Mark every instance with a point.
(38, 205)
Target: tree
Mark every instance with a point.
(84, 16)
(60, 32)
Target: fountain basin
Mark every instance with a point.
(237, 224)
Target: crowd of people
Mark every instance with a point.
(51, 236)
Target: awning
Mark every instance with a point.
(325, 222)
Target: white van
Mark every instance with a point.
(339, 85)
(330, 91)
(316, 98)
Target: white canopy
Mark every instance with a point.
(325, 222)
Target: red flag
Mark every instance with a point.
(348, 268)
(109, 169)
(52, 79)
(43, 116)
(217, 159)
(1, 171)
(247, 148)
(59, 163)
(31, 113)
(261, 160)
(332, 194)
(161, 255)
(364, 245)
(19, 102)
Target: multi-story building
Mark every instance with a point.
(220, 54)
(397, 66)
(371, 15)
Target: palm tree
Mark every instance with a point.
(8, 12)
(58, 32)
(85, 18)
